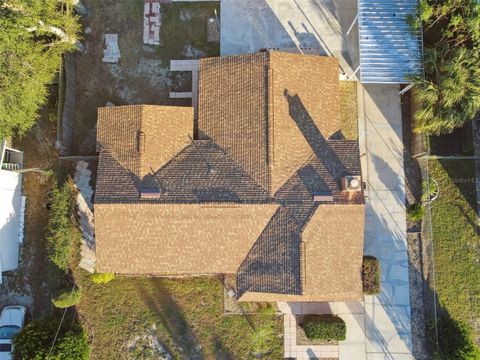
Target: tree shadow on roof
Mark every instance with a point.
(312, 134)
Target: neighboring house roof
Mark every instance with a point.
(276, 103)
(10, 213)
(239, 199)
(175, 239)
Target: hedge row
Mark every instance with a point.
(371, 275)
(324, 327)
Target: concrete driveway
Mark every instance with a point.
(311, 26)
(387, 315)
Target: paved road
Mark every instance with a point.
(387, 316)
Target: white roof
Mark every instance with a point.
(390, 49)
(10, 209)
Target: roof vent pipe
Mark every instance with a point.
(140, 142)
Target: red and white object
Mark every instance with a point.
(151, 23)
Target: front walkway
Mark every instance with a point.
(353, 313)
(387, 316)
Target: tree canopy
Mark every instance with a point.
(35, 340)
(33, 36)
(449, 95)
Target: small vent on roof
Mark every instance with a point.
(150, 193)
(325, 196)
(140, 142)
(352, 183)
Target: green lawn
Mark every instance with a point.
(456, 240)
(188, 316)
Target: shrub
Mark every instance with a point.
(371, 275)
(324, 327)
(415, 212)
(62, 233)
(455, 340)
(67, 298)
(35, 340)
(102, 278)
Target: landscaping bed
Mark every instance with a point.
(319, 329)
(302, 338)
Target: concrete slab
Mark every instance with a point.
(387, 316)
(354, 345)
(293, 25)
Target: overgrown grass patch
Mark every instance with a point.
(456, 240)
(349, 109)
(185, 24)
(185, 314)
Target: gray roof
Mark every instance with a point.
(390, 49)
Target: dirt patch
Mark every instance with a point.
(28, 284)
(142, 74)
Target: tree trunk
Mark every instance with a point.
(79, 8)
(37, 170)
(59, 33)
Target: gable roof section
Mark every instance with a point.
(144, 137)
(232, 109)
(332, 258)
(304, 105)
(265, 110)
(175, 239)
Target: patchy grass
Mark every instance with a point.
(457, 241)
(187, 316)
(349, 109)
(183, 25)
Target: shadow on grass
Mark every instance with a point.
(221, 352)
(461, 173)
(169, 314)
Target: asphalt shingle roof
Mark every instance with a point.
(240, 198)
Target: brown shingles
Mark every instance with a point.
(141, 137)
(305, 104)
(333, 241)
(174, 239)
(232, 109)
(266, 109)
(271, 117)
(200, 172)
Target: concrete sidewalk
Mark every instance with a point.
(353, 313)
(387, 316)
